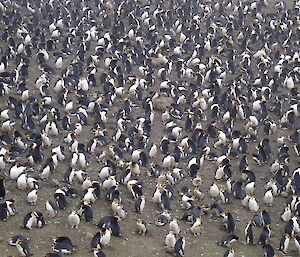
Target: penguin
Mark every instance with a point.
(297, 242)
(165, 201)
(87, 212)
(265, 235)
(140, 204)
(229, 222)
(237, 190)
(98, 253)
(265, 218)
(10, 206)
(112, 223)
(51, 208)
(224, 195)
(74, 219)
(30, 220)
(23, 248)
(13, 240)
(161, 220)
(196, 227)
(253, 204)
(249, 233)
(228, 240)
(286, 215)
(284, 243)
(269, 251)
(32, 197)
(289, 227)
(22, 181)
(95, 242)
(4, 214)
(268, 197)
(229, 253)
(214, 191)
(2, 188)
(170, 241)
(173, 225)
(60, 199)
(63, 247)
(179, 246)
(141, 227)
(105, 237)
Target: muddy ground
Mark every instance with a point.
(131, 244)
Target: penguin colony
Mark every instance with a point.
(141, 119)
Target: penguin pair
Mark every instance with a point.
(32, 219)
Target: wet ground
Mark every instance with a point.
(130, 244)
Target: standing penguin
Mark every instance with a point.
(170, 241)
(141, 227)
(229, 223)
(265, 235)
(249, 233)
(105, 236)
(179, 247)
(174, 226)
(284, 243)
(253, 204)
(74, 219)
(140, 204)
(196, 227)
(2, 188)
(297, 243)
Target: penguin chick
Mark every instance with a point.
(170, 241)
(74, 219)
(196, 227)
(268, 197)
(286, 215)
(174, 226)
(141, 227)
(32, 197)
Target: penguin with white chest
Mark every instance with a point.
(51, 209)
(249, 234)
(105, 236)
(170, 241)
(139, 204)
(141, 227)
(74, 219)
(32, 197)
(23, 248)
(196, 227)
(179, 246)
(284, 243)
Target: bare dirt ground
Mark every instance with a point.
(131, 244)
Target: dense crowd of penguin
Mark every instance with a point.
(102, 100)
